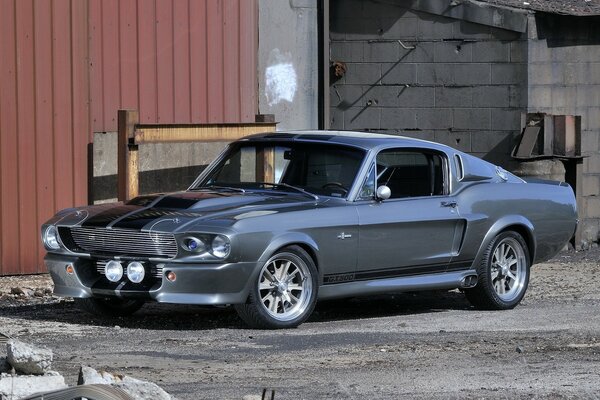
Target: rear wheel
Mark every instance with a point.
(503, 274)
(109, 307)
(284, 293)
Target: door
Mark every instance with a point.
(418, 229)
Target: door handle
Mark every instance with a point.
(451, 204)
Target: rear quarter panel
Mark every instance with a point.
(546, 211)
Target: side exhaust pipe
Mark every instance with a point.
(468, 282)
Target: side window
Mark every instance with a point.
(411, 173)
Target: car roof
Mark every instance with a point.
(363, 140)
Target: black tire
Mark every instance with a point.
(257, 314)
(109, 307)
(493, 278)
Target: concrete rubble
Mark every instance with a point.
(28, 359)
(27, 370)
(136, 388)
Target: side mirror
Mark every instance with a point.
(383, 193)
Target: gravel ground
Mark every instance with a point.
(429, 345)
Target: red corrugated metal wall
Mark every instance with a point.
(67, 66)
(199, 55)
(44, 122)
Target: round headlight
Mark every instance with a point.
(51, 238)
(194, 244)
(135, 272)
(220, 246)
(113, 271)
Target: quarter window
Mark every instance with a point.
(411, 173)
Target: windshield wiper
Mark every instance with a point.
(288, 186)
(229, 188)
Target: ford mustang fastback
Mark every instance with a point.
(282, 220)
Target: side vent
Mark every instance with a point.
(460, 171)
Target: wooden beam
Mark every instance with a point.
(198, 133)
(127, 164)
(265, 165)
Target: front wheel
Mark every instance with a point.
(284, 293)
(503, 274)
(109, 307)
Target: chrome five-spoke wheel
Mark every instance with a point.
(285, 291)
(503, 273)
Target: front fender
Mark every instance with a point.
(501, 225)
(286, 239)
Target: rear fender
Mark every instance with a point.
(501, 225)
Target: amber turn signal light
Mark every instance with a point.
(171, 276)
(70, 270)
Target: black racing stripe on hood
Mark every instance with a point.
(138, 220)
(103, 219)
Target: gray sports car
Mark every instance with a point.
(281, 220)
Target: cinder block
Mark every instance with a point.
(593, 119)
(434, 118)
(591, 185)
(592, 208)
(423, 135)
(472, 74)
(591, 164)
(472, 119)
(452, 52)
(518, 51)
(398, 73)
(336, 118)
(344, 96)
(491, 51)
(538, 51)
(423, 52)
(491, 96)
(453, 97)
(492, 141)
(435, 27)
(347, 51)
(381, 52)
(506, 119)
(470, 30)
(362, 118)
(588, 96)
(540, 96)
(509, 73)
(544, 73)
(564, 99)
(517, 95)
(589, 142)
(398, 118)
(399, 28)
(458, 140)
(363, 74)
(403, 96)
(435, 74)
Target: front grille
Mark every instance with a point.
(119, 242)
(155, 271)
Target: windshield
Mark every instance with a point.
(315, 168)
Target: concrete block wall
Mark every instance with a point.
(463, 84)
(564, 78)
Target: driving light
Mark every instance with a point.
(51, 238)
(135, 272)
(220, 246)
(194, 244)
(113, 271)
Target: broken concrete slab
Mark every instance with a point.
(16, 387)
(136, 388)
(28, 359)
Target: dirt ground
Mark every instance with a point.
(412, 346)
